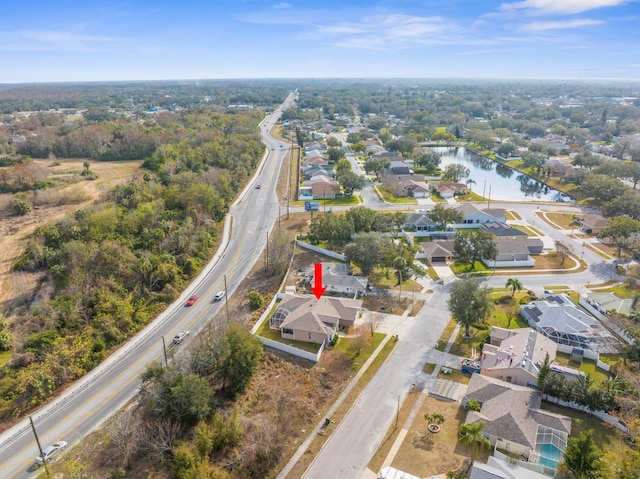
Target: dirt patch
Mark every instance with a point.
(70, 193)
(424, 454)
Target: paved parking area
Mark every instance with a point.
(445, 389)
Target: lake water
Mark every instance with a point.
(496, 181)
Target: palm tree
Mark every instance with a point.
(471, 435)
(435, 419)
(514, 284)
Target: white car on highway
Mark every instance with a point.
(50, 453)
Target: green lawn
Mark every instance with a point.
(460, 267)
(347, 346)
(389, 197)
(588, 367)
(266, 332)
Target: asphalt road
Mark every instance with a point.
(90, 401)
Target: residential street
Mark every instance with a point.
(357, 437)
(355, 440)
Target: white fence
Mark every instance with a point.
(292, 349)
(586, 353)
(532, 466)
(323, 251)
(603, 416)
(282, 346)
(603, 319)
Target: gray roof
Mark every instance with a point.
(498, 469)
(518, 348)
(306, 313)
(339, 274)
(438, 248)
(563, 321)
(498, 228)
(419, 219)
(510, 412)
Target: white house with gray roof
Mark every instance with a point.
(474, 217)
(338, 279)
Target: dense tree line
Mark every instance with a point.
(111, 268)
(141, 96)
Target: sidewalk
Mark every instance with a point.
(414, 412)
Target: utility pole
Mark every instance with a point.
(44, 463)
(226, 298)
(289, 176)
(164, 348)
(398, 412)
(267, 250)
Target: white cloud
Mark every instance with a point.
(559, 25)
(385, 31)
(282, 5)
(61, 41)
(560, 6)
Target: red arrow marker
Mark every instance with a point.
(317, 288)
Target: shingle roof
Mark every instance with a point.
(510, 412)
(438, 248)
(499, 228)
(518, 348)
(307, 313)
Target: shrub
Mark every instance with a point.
(526, 299)
(505, 299)
(255, 300)
(473, 405)
(21, 207)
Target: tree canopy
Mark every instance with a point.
(469, 303)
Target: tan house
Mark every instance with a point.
(515, 355)
(514, 421)
(305, 318)
(592, 223)
(438, 252)
(321, 187)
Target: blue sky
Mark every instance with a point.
(56, 40)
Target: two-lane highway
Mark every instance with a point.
(91, 400)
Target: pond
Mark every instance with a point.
(496, 181)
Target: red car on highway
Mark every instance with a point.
(192, 300)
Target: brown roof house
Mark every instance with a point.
(450, 189)
(319, 187)
(515, 423)
(592, 223)
(438, 252)
(305, 318)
